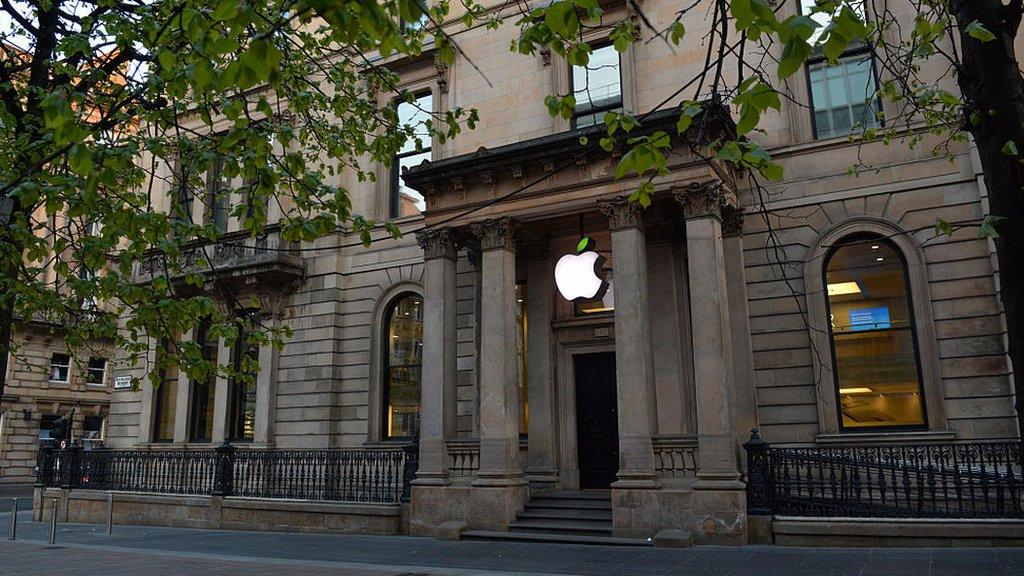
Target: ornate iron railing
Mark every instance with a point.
(951, 480)
(373, 475)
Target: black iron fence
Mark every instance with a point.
(371, 475)
(951, 480)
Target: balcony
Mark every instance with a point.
(237, 255)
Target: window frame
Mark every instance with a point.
(389, 310)
(394, 203)
(158, 409)
(911, 328)
(67, 368)
(818, 321)
(218, 197)
(817, 58)
(89, 370)
(196, 401)
(621, 104)
(240, 390)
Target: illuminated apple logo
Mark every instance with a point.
(578, 276)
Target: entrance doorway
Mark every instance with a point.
(597, 424)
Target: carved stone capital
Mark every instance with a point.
(732, 221)
(437, 243)
(700, 199)
(495, 234)
(443, 73)
(622, 213)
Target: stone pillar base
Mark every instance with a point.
(712, 516)
(480, 507)
(544, 480)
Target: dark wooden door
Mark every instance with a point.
(597, 423)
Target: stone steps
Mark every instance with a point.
(563, 517)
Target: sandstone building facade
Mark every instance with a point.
(823, 310)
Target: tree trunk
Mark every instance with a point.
(993, 90)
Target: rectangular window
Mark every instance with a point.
(60, 367)
(597, 87)
(46, 423)
(218, 196)
(165, 399)
(92, 428)
(186, 195)
(201, 410)
(844, 97)
(404, 200)
(242, 416)
(96, 372)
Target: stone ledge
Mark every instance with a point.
(802, 531)
(886, 437)
(358, 509)
(173, 500)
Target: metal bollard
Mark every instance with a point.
(110, 513)
(14, 520)
(53, 522)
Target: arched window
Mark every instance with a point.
(403, 358)
(874, 342)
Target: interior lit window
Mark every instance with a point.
(201, 416)
(243, 391)
(404, 355)
(873, 343)
(404, 200)
(164, 401)
(597, 87)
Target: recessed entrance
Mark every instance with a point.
(597, 425)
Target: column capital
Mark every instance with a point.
(495, 234)
(700, 199)
(732, 221)
(622, 213)
(437, 243)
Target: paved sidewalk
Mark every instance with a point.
(151, 551)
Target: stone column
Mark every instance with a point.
(712, 343)
(272, 305)
(499, 393)
(542, 460)
(437, 388)
(634, 353)
(743, 385)
(148, 397)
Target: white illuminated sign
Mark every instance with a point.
(578, 276)
(122, 383)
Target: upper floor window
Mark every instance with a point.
(403, 357)
(218, 196)
(60, 367)
(597, 87)
(844, 97)
(404, 200)
(877, 370)
(96, 371)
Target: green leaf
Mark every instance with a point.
(677, 32)
(794, 54)
(1010, 148)
(943, 228)
(988, 226)
(225, 10)
(978, 32)
(582, 245)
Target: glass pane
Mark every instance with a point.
(414, 114)
(409, 202)
(201, 417)
(872, 335)
(405, 352)
(166, 399)
(246, 358)
(598, 84)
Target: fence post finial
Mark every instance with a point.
(759, 480)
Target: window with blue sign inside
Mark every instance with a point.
(877, 375)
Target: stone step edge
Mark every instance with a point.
(555, 538)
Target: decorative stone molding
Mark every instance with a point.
(495, 234)
(700, 199)
(437, 243)
(459, 187)
(443, 73)
(545, 56)
(732, 221)
(622, 213)
(273, 301)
